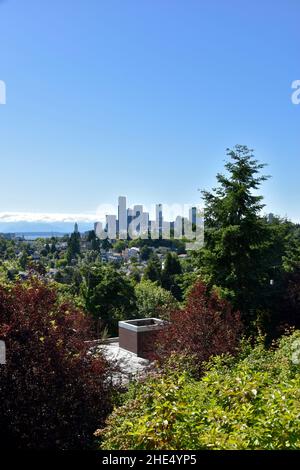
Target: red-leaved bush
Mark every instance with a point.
(206, 327)
(53, 394)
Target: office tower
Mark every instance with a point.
(154, 231)
(100, 231)
(166, 230)
(178, 227)
(122, 218)
(193, 215)
(159, 219)
(144, 225)
(196, 217)
(111, 224)
(130, 216)
(137, 210)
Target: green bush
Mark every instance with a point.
(152, 300)
(248, 402)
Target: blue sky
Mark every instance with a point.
(142, 97)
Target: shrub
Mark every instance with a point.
(108, 296)
(207, 326)
(52, 392)
(152, 300)
(248, 402)
(289, 303)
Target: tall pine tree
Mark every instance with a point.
(236, 235)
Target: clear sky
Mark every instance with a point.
(142, 97)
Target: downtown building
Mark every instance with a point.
(134, 223)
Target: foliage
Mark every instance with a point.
(236, 237)
(286, 313)
(120, 245)
(153, 269)
(52, 392)
(108, 295)
(152, 300)
(206, 326)
(73, 246)
(145, 252)
(291, 259)
(186, 282)
(249, 402)
(94, 240)
(170, 274)
(173, 244)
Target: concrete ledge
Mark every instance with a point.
(142, 324)
(103, 341)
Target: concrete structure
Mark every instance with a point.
(128, 365)
(139, 336)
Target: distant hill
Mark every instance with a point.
(42, 227)
(34, 235)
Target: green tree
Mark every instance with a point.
(152, 300)
(53, 248)
(119, 246)
(153, 269)
(145, 252)
(107, 295)
(23, 261)
(105, 244)
(292, 255)
(237, 238)
(94, 240)
(73, 249)
(171, 270)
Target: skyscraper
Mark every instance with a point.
(122, 218)
(137, 213)
(144, 226)
(129, 216)
(111, 226)
(178, 227)
(159, 219)
(193, 215)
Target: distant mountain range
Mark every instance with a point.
(43, 227)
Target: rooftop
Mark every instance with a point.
(130, 365)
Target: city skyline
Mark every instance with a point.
(136, 223)
(139, 216)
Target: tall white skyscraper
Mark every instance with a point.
(144, 225)
(111, 224)
(122, 218)
(137, 210)
(159, 218)
(192, 215)
(178, 227)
